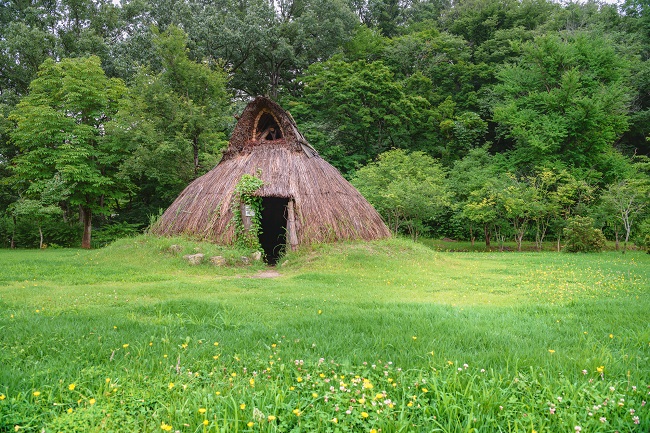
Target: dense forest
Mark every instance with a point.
(472, 119)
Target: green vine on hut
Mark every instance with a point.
(244, 193)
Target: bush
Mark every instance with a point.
(582, 237)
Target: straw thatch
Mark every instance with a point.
(327, 207)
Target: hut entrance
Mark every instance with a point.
(274, 227)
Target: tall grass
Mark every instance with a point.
(387, 336)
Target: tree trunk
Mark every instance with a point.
(86, 218)
(40, 232)
(471, 233)
(616, 237)
(13, 234)
(486, 230)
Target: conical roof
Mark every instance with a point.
(266, 142)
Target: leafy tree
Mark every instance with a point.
(627, 198)
(358, 110)
(172, 124)
(566, 100)
(60, 131)
(468, 176)
(407, 189)
(46, 205)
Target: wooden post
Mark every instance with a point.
(292, 236)
(245, 219)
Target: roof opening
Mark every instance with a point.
(267, 128)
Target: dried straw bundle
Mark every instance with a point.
(327, 207)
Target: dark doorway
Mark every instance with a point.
(274, 228)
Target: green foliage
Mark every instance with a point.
(643, 236)
(358, 109)
(172, 123)
(407, 189)
(566, 100)
(248, 237)
(60, 131)
(581, 236)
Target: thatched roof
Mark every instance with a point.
(327, 207)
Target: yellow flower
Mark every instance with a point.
(410, 404)
(271, 418)
(206, 422)
(299, 379)
(364, 414)
(233, 374)
(216, 343)
(184, 345)
(250, 424)
(274, 345)
(242, 406)
(125, 346)
(367, 384)
(450, 362)
(291, 388)
(335, 420)
(202, 410)
(414, 337)
(71, 386)
(313, 394)
(296, 412)
(551, 351)
(108, 380)
(165, 427)
(69, 410)
(600, 369)
(2, 397)
(151, 343)
(373, 431)
(218, 393)
(362, 401)
(379, 396)
(171, 385)
(252, 382)
(92, 401)
(36, 393)
(611, 335)
(320, 311)
(425, 390)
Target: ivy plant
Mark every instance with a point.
(244, 194)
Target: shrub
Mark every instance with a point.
(643, 236)
(582, 237)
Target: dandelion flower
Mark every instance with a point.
(2, 397)
(242, 406)
(335, 420)
(36, 393)
(551, 351)
(125, 346)
(600, 369)
(250, 424)
(364, 415)
(271, 418)
(216, 343)
(424, 390)
(202, 410)
(92, 401)
(252, 382)
(71, 386)
(206, 422)
(296, 412)
(171, 385)
(414, 338)
(314, 395)
(611, 335)
(299, 379)
(165, 427)
(373, 430)
(320, 311)
(69, 410)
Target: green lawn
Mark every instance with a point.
(387, 336)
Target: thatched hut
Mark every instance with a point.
(304, 198)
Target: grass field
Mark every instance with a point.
(364, 337)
